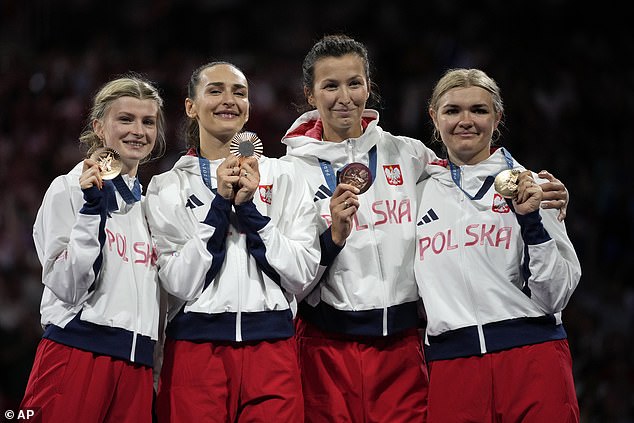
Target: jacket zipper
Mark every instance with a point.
(351, 159)
(465, 273)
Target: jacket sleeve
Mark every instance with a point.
(421, 156)
(550, 266)
(190, 253)
(69, 243)
(286, 245)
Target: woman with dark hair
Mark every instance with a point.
(237, 241)
(360, 350)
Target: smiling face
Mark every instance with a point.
(466, 119)
(129, 125)
(339, 93)
(220, 105)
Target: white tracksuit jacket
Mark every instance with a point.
(368, 286)
(99, 268)
(490, 279)
(232, 272)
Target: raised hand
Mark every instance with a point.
(228, 174)
(249, 180)
(90, 175)
(529, 195)
(343, 206)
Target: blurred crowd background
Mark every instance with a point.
(563, 69)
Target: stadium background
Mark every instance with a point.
(562, 67)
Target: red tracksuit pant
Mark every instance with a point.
(527, 384)
(230, 382)
(359, 380)
(70, 385)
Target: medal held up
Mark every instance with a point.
(356, 174)
(109, 162)
(506, 183)
(246, 144)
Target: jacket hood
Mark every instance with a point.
(303, 138)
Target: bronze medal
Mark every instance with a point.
(246, 144)
(357, 175)
(109, 162)
(506, 183)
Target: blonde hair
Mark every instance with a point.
(131, 85)
(465, 78)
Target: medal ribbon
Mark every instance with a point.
(205, 172)
(329, 173)
(128, 196)
(455, 175)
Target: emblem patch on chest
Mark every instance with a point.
(266, 193)
(499, 204)
(393, 174)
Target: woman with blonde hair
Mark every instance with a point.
(494, 269)
(100, 305)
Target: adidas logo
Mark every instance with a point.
(193, 202)
(322, 192)
(428, 217)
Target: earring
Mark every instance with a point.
(496, 135)
(436, 135)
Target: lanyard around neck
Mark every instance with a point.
(118, 184)
(455, 175)
(205, 172)
(129, 196)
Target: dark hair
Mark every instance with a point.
(336, 45)
(128, 85)
(190, 126)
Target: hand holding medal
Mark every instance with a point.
(108, 166)
(353, 179)
(247, 147)
(521, 188)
